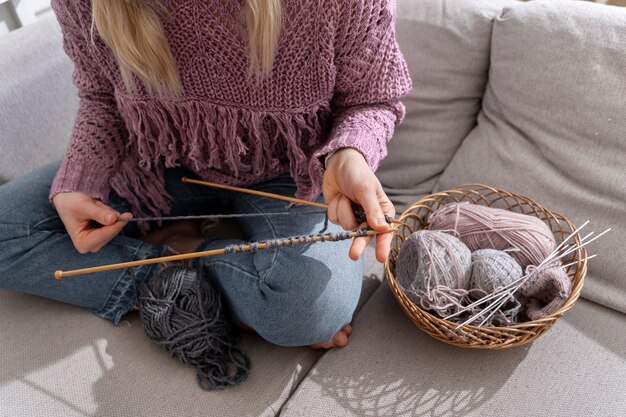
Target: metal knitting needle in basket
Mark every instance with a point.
(416, 217)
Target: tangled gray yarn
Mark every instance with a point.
(433, 259)
(435, 271)
(181, 311)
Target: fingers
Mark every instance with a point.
(345, 213)
(354, 178)
(383, 241)
(100, 212)
(332, 209)
(92, 240)
(383, 246)
(79, 211)
(340, 212)
(87, 238)
(377, 205)
(373, 199)
(358, 246)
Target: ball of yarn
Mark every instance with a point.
(182, 312)
(545, 290)
(493, 269)
(429, 259)
(528, 239)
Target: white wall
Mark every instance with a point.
(8, 22)
(17, 13)
(40, 5)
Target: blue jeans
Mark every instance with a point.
(292, 296)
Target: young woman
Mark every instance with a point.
(295, 97)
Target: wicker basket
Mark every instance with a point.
(416, 218)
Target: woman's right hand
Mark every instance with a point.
(90, 223)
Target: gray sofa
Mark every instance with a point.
(526, 96)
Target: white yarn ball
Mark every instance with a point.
(428, 259)
(493, 269)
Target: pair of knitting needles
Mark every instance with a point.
(240, 248)
(502, 295)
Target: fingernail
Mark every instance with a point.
(381, 221)
(109, 218)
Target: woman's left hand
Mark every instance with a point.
(348, 178)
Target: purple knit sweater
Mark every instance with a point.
(336, 82)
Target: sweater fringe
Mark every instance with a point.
(238, 145)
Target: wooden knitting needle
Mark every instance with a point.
(254, 192)
(245, 248)
(358, 210)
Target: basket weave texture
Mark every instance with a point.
(416, 218)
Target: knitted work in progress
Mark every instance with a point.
(296, 241)
(545, 290)
(336, 82)
(181, 311)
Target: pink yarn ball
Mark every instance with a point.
(528, 239)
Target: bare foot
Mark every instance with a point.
(182, 237)
(340, 339)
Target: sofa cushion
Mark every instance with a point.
(38, 101)
(391, 368)
(552, 125)
(59, 360)
(446, 46)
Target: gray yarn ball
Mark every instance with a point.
(428, 259)
(493, 269)
(183, 312)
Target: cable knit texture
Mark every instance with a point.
(336, 82)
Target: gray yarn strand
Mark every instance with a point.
(233, 216)
(222, 216)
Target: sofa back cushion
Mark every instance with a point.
(553, 124)
(38, 101)
(446, 45)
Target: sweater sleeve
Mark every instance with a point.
(371, 77)
(96, 145)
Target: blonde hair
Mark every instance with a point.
(134, 31)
